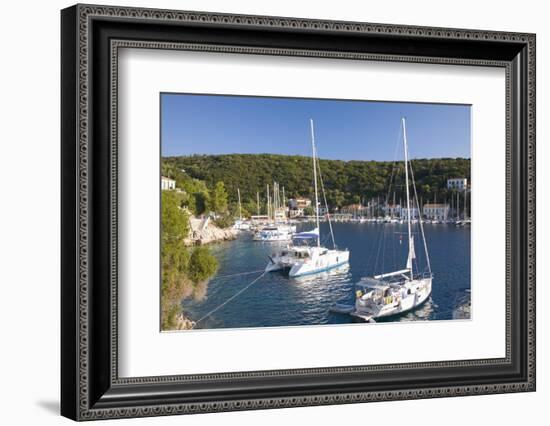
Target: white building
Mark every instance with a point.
(167, 184)
(436, 211)
(354, 209)
(296, 213)
(414, 213)
(397, 211)
(457, 183)
(299, 203)
(322, 211)
(393, 210)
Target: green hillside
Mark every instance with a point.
(346, 182)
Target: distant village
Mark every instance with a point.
(455, 208)
(375, 208)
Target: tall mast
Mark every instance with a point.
(284, 202)
(268, 202)
(258, 202)
(465, 204)
(239, 196)
(315, 183)
(421, 226)
(411, 242)
(274, 202)
(279, 198)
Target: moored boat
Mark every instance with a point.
(276, 232)
(396, 292)
(303, 257)
(277, 227)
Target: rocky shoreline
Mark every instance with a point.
(183, 323)
(204, 231)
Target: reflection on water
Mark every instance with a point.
(277, 300)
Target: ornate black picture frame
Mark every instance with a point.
(91, 36)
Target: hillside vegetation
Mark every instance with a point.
(185, 270)
(209, 177)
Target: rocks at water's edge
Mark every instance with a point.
(183, 323)
(204, 231)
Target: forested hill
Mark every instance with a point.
(345, 181)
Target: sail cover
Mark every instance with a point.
(314, 233)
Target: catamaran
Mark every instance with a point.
(396, 292)
(303, 257)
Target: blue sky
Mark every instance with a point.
(344, 130)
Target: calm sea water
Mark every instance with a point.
(277, 300)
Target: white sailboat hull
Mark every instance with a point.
(302, 260)
(318, 260)
(397, 292)
(333, 259)
(412, 294)
(278, 233)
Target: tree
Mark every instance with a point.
(174, 257)
(182, 274)
(425, 189)
(201, 202)
(218, 201)
(174, 221)
(202, 264)
(343, 180)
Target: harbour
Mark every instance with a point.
(276, 300)
(274, 261)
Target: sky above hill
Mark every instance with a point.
(344, 130)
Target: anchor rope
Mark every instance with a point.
(219, 277)
(230, 299)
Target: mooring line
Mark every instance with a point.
(219, 277)
(230, 299)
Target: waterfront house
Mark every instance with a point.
(167, 184)
(299, 203)
(393, 210)
(323, 211)
(459, 184)
(354, 210)
(297, 206)
(435, 211)
(296, 213)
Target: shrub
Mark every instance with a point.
(202, 265)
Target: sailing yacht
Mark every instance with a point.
(306, 255)
(399, 291)
(275, 232)
(279, 229)
(240, 224)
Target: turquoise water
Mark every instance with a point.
(277, 300)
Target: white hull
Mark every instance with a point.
(397, 292)
(319, 259)
(241, 226)
(397, 301)
(302, 260)
(277, 233)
